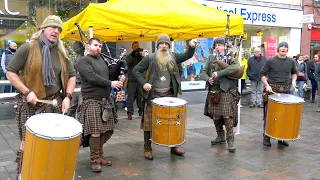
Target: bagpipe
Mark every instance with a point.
(117, 66)
(232, 44)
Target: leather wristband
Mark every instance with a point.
(27, 92)
(68, 95)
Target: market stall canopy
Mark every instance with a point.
(145, 20)
(21, 34)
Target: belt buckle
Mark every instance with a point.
(281, 88)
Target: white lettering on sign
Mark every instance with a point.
(258, 15)
(6, 7)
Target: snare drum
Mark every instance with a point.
(284, 117)
(51, 147)
(169, 115)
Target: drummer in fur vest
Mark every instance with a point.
(223, 95)
(44, 71)
(97, 112)
(162, 79)
(275, 75)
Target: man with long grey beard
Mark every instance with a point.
(162, 79)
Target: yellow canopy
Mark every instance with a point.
(145, 20)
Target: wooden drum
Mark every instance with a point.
(169, 117)
(284, 116)
(51, 147)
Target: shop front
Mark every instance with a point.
(265, 27)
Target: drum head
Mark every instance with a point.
(169, 101)
(54, 126)
(286, 99)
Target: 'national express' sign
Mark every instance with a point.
(257, 15)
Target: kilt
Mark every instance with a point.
(146, 119)
(226, 108)
(278, 88)
(90, 116)
(25, 110)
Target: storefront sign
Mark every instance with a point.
(258, 15)
(7, 10)
(271, 47)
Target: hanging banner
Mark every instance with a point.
(191, 77)
(271, 46)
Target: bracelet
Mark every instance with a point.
(68, 95)
(27, 92)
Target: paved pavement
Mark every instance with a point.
(202, 161)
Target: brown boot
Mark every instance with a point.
(104, 137)
(266, 141)
(94, 143)
(147, 145)
(148, 155)
(177, 151)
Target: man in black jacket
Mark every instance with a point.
(134, 89)
(310, 68)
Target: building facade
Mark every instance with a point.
(20, 18)
(267, 23)
(310, 43)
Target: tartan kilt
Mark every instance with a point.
(90, 116)
(227, 106)
(146, 119)
(25, 110)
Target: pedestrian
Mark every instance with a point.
(97, 112)
(278, 70)
(244, 62)
(133, 88)
(44, 71)
(317, 79)
(7, 56)
(302, 74)
(255, 65)
(311, 68)
(161, 79)
(223, 95)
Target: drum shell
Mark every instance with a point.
(51, 158)
(283, 120)
(171, 130)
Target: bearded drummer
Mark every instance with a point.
(278, 70)
(162, 79)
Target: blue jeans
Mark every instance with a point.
(314, 88)
(300, 84)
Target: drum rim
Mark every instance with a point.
(168, 145)
(52, 138)
(55, 138)
(279, 139)
(280, 102)
(286, 102)
(186, 103)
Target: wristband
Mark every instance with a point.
(27, 92)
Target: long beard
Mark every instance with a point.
(165, 60)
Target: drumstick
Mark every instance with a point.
(54, 102)
(278, 94)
